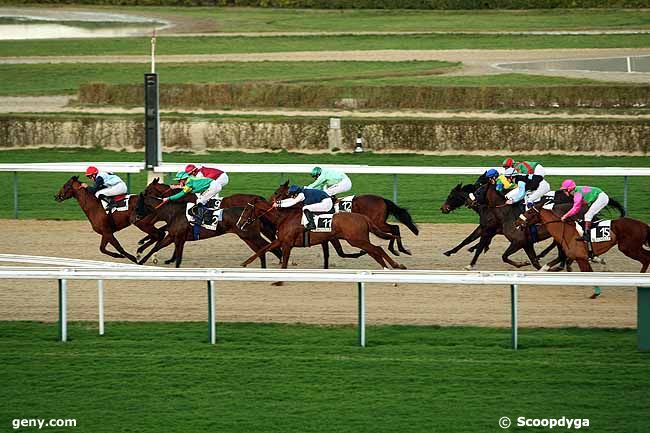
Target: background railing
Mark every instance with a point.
(134, 167)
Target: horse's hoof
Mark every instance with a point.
(469, 268)
(243, 264)
(294, 263)
(594, 296)
(393, 252)
(544, 268)
(401, 266)
(448, 253)
(407, 252)
(141, 242)
(278, 283)
(138, 257)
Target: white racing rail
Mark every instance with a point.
(360, 277)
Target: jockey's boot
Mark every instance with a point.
(587, 238)
(311, 225)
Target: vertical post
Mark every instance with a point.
(100, 302)
(629, 64)
(395, 188)
(128, 181)
(281, 178)
(15, 195)
(362, 314)
(625, 193)
(643, 318)
(513, 309)
(212, 328)
(63, 314)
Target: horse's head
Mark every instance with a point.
(252, 211)
(68, 189)
(458, 196)
(157, 189)
(281, 192)
(531, 216)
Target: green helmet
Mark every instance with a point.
(316, 171)
(181, 175)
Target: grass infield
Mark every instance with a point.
(422, 195)
(152, 377)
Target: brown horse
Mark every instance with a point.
(629, 234)
(267, 228)
(354, 228)
(107, 225)
(180, 230)
(378, 209)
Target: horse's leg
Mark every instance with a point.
(179, 243)
(276, 243)
(636, 252)
(116, 244)
(326, 255)
(485, 240)
(172, 259)
(513, 248)
(339, 250)
(256, 245)
(102, 248)
(530, 252)
(373, 251)
(394, 229)
(159, 245)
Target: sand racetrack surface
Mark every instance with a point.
(303, 302)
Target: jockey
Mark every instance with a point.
(523, 183)
(314, 200)
(535, 172)
(106, 185)
(331, 181)
(505, 182)
(219, 179)
(197, 185)
(590, 195)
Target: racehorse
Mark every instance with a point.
(180, 231)
(267, 227)
(629, 234)
(495, 218)
(378, 209)
(354, 228)
(107, 225)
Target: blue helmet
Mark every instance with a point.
(492, 173)
(294, 189)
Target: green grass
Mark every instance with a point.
(230, 45)
(153, 377)
(47, 79)
(288, 20)
(422, 195)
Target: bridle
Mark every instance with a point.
(251, 219)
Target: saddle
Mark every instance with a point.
(116, 203)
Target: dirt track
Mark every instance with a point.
(304, 303)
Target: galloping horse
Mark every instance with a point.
(352, 227)
(378, 209)
(267, 228)
(104, 224)
(629, 234)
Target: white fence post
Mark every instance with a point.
(63, 314)
(100, 303)
(212, 327)
(362, 314)
(513, 312)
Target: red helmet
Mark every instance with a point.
(91, 171)
(189, 168)
(508, 162)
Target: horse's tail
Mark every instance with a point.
(402, 216)
(647, 235)
(378, 232)
(616, 205)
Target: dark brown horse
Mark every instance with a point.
(180, 231)
(107, 225)
(629, 234)
(354, 228)
(378, 209)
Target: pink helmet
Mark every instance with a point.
(568, 185)
(90, 171)
(189, 168)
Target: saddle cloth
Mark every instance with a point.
(323, 222)
(344, 204)
(121, 203)
(214, 216)
(601, 231)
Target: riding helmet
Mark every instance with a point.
(508, 162)
(316, 171)
(91, 171)
(568, 185)
(294, 189)
(182, 175)
(492, 173)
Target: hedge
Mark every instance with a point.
(211, 96)
(366, 4)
